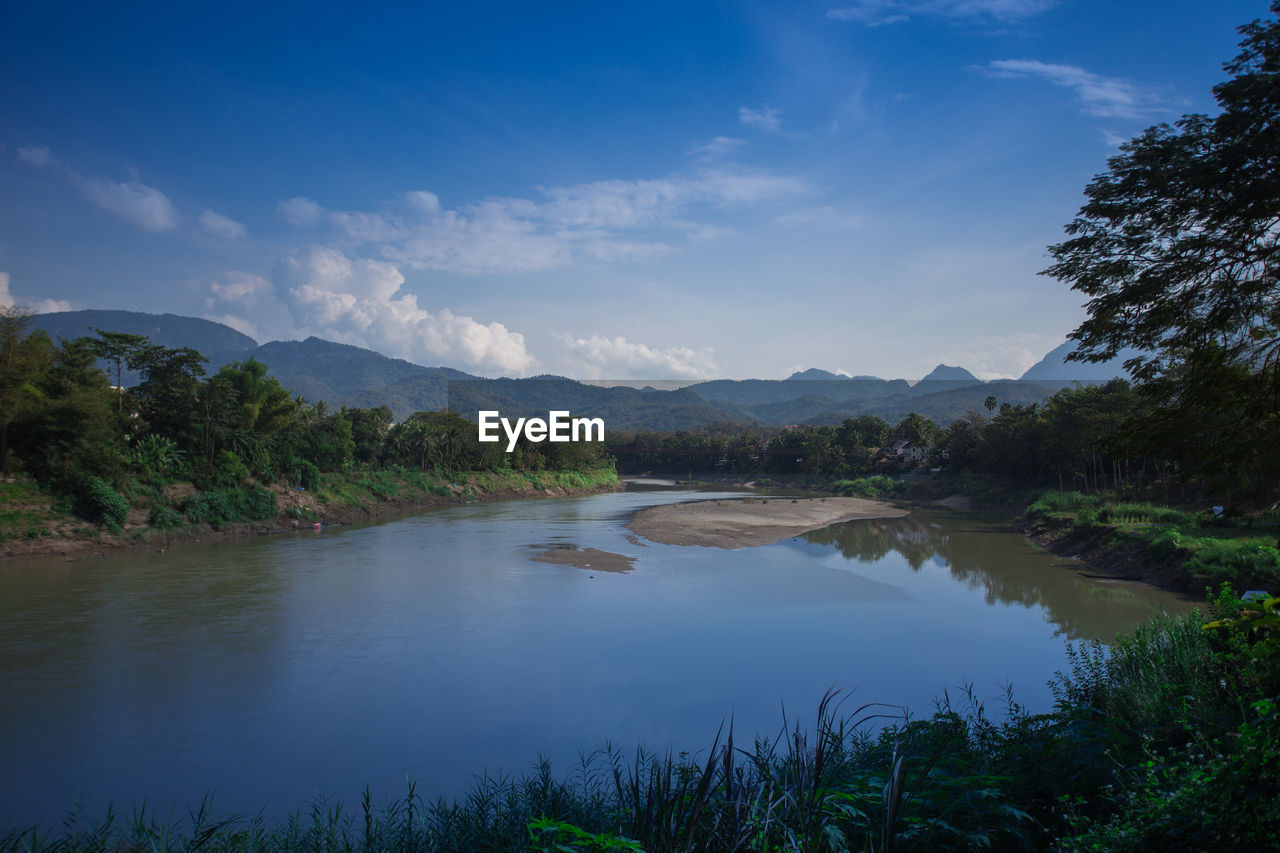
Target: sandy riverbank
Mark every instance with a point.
(751, 521)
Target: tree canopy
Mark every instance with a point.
(1176, 245)
(1176, 248)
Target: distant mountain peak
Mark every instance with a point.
(814, 373)
(1054, 367)
(946, 373)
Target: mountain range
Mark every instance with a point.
(345, 375)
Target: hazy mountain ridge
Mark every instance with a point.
(346, 375)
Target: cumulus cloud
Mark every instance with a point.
(238, 323)
(618, 358)
(38, 306)
(611, 220)
(300, 211)
(877, 13)
(360, 302)
(223, 227)
(133, 201)
(1106, 97)
(766, 118)
(239, 288)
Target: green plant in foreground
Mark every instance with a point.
(554, 836)
(101, 504)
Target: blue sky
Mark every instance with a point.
(655, 190)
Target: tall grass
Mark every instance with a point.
(835, 786)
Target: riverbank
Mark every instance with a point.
(33, 524)
(748, 522)
(1179, 548)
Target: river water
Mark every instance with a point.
(273, 671)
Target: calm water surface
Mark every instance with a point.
(273, 670)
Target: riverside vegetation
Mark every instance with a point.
(179, 450)
(1169, 739)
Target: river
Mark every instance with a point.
(271, 671)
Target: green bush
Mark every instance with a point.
(102, 504)
(1053, 501)
(222, 506)
(1246, 563)
(164, 517)
(259, 504)
(1143, 513)
(302, 472)
(866, 487)
(228, 471)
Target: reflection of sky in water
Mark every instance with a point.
(269, 670)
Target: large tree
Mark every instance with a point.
(1176, 250)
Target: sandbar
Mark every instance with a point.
(747, 522)
(587, 558)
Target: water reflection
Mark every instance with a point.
(986, 555)
(434, 646)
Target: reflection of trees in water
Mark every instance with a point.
(870, 540)
(1003, 566)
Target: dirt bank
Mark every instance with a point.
(78, 540)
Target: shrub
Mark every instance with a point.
(259, 504)
(302, 472)
(228, 471)
(222, 506)
(164, 517)
(866, 487)
(102, 504)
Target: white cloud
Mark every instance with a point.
(766, 118)
(224, 227)
(299, 211)
(38, 306)
(423, 202)
(35, 155)
(1114, 140)
(717, 148)
(360, 302)
(239, 288)
(238, 323)
(876, 13)
(617, 358)
(1106, 97)
(612, 220)
(133, 201)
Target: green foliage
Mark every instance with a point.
(303, 472)
(218, 507)
(1174, 250)
(101, 504)
(1163, 682)
(228, 471)
(866, 487)
(557, 836)
(1248, 633)
(164, 518)
(156, 455)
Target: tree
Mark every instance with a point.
(1176, 249)
(23, 360)
(122, 350)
